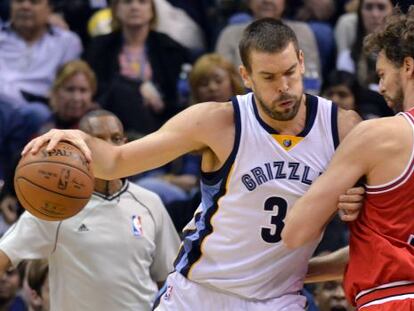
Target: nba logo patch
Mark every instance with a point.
(136, 225)
(287, 143)
(168, 292)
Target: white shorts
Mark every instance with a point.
(182, 294)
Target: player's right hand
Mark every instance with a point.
(51, 138)
(351, 203)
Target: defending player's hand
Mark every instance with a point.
(54, 136)
(350, 203)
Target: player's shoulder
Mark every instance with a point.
(209, 114)
(347, 120)
(384, 126)
(381, 133)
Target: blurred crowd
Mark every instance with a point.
(146, 60)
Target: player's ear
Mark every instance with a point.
(244, 73)
(301, 58)
(408, 65)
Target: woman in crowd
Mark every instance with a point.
(371, 15)
(137, 68)
(72, 92)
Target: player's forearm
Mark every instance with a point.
(301, 225)
(104, 157)
(328, 267)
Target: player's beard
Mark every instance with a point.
(397, 100)
(287, 114)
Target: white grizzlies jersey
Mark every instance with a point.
(234, 241)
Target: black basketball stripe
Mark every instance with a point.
(34, 208)
(57, 162)
(49, 190)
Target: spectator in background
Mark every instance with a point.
(228, 41)
(37, 278)
(10, 283)
(31, 51)
(330, 296)
(213, 78)
(71, 96)
(137, 68)
(343, 89)
(370, 16)
(112, 254)
(171, 20)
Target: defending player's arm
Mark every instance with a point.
(328, 267)
(352, 160)
(196, 128)
(351, 202)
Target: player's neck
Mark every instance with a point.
(290, 127)
(106, 187)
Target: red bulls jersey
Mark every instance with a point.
(382, 239)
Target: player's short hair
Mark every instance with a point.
(396, 38)
(265, 35)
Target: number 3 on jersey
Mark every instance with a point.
(278, 205)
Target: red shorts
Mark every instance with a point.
(400, 305)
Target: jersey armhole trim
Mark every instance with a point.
(334, 125)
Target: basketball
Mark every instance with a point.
(54, 185)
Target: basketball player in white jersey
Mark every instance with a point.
(260, 152)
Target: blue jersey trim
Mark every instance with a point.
(311, 111)
(190, 251)
(334, 125)
(212, 178)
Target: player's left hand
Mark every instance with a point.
(350, 203)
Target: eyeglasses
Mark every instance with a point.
(371, 6)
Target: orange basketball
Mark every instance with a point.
(54, 185)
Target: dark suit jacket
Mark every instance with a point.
(120, 94)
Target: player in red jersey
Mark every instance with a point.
(380, 272)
